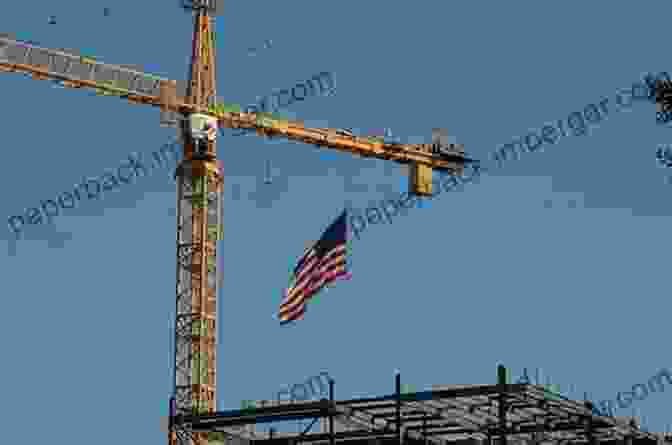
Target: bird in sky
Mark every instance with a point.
(52, 19)
(267, 176)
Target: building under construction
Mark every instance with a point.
(499, 414)
(502, 412)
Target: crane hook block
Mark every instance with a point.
(420, 180)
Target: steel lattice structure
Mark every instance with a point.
(199, 186)
(448, 414)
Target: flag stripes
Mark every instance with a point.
(319, 266)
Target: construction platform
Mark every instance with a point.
(500, 414)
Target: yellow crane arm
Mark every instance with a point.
(76, 71)
(326, 137)
(139, 87)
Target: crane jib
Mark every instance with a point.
(77, 68)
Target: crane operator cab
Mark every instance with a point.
(202, 128)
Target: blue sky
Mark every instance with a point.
(555, 261)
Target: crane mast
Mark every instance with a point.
(199, 213)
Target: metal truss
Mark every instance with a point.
(488, 414)
(198, 230)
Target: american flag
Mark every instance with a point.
(320, 265)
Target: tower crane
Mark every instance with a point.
(200, 181)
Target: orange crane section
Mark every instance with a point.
(413, 154)
(199, 189)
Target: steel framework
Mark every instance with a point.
(492, 414)
(199, 223)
